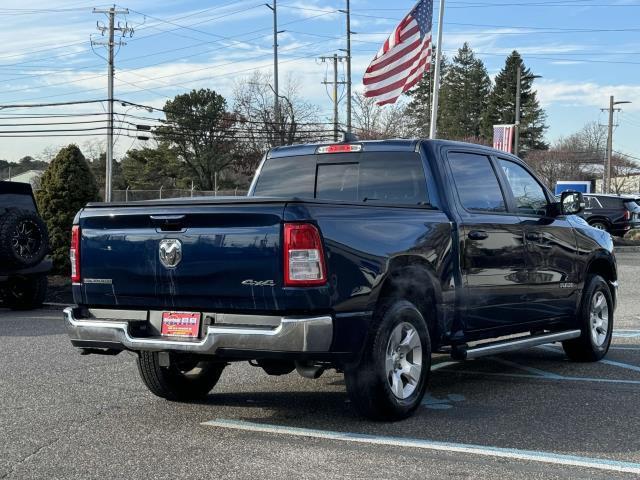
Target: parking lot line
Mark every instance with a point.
(626, 333)
(555, 379)
(488, 451)
(438, 366)
(628, 366)
(526, 368)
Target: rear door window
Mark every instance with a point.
(591, 203)
(476, 182)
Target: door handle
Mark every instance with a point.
(477, 235)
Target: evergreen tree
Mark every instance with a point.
(502, 106)
(463, 97)
(65, 187)
(151, 168)
(98, 165)
(202, 134)
(419, 108)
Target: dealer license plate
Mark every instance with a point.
(180, 324)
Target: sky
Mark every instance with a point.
(585, 51)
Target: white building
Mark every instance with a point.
(31, 176)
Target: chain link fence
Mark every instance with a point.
(131, 195)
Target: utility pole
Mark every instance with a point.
(335, 59)
(347, 13)
(276, 91)
(111, 29)
(607, 169)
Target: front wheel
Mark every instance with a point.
(184, 379)
(596, 323)
(26, 293)
(390, 379)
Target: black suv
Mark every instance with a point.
(617, 214)
(24, 244)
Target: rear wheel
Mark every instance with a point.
(596, 323)
(600, 225)
(26, 293)
(184, 379)
(390, 379)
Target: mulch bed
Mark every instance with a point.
(59, 290)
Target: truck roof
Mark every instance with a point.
(15, 188)
(390, 145)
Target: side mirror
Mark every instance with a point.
(571, 203)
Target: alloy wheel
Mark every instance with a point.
(403, 361)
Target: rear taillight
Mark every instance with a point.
(303, 256)
(74, 254)
(627, 215)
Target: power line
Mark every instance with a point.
(126, 60)
(55, 104)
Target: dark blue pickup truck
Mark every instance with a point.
(365, 257)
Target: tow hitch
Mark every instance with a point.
(99, 351)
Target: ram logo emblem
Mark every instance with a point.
(170, 252)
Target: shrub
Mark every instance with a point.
(633, 234)
(65, 187)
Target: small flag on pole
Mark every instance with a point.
(403, 58)
(503, 137)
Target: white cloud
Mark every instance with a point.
(586, 94)
(312, 9)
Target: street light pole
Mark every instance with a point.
(516, 133)
(276, 96)
(607, 169)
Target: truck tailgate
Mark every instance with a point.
(230, 255)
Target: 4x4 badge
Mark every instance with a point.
(170, 252)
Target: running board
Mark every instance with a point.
(464, 352)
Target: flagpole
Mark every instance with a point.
(436, 74)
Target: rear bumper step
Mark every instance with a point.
(257, 333)
(463, 352)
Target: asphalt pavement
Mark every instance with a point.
(530, 414)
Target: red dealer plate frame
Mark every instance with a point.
(181, 324)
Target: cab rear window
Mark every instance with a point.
(379, 177)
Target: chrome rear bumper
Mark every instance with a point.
(98, 328)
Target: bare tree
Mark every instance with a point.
(296, 120)
(48, 153)
(625, 175)
(579, 156)
(373, 122)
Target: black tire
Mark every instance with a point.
(600, 225)
(368, 383)
(26, 293)
(586, 348)
(179, 381)
(24, 240)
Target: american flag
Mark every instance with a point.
(403, 58)
(503, 137)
